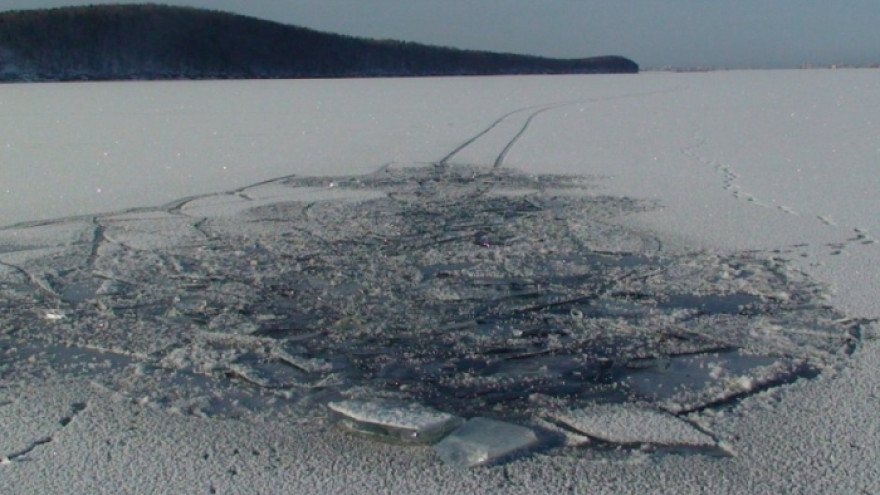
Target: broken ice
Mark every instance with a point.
(687, 383)
(386, 283)
(407, 423)
(54, 315)
(481, 441)
(631, 424)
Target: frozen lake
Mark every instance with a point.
(612, 269)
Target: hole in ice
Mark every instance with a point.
(475, 292)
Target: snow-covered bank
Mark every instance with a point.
(185, 296)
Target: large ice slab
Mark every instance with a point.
(631, 424)
(481, 441)
(395, 421)
(686, 383)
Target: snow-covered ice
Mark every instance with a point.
(222, 260)
(632, 424)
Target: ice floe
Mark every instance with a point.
(632, 424)
(482, 441)
(396, 421)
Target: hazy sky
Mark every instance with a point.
(654, 33)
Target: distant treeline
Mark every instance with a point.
(115, 42)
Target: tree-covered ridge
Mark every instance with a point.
(162, 42)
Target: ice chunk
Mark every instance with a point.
(54, 315)
(482, 441)
(632, 424)
(689, 382)
(113, 288)
(270, 374)
(396, 421)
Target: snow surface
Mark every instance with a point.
(779, 165)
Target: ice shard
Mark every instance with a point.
(482, 441)
(394, 421)
(630, 424)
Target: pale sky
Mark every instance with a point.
(654, 33)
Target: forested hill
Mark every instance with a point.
(162, 42)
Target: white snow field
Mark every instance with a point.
(653, 283)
